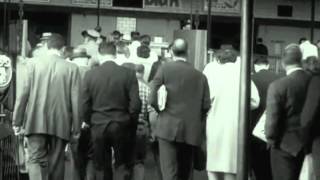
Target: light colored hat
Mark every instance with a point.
(91, 32)
(126, 37)
(46, 36)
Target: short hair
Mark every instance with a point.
(312, 64)
(140, 68)
(143, 51)
(145, 40)
(292, 55)
(121, 48)
(135, 36)
(260, 59)
(107, 48)
(228, 55)
(180, 48)
(56, 41)
(301, 40)
(68, 52)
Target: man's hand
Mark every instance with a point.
(17, 130)
(85, 126)
(75, 137)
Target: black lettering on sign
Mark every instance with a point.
(166, 3)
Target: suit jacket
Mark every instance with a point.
(49, 95)
(262, 80)
(110, 93)
(285, 101)
(310, 116)
(188, 102)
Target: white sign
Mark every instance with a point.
(225, 6)
(106, 3)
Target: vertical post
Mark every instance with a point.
(245, 86)
(98, 13)
(191, 13)
(209, 24)
(313, 8)
(5, 25)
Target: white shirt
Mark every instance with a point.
(294, 70)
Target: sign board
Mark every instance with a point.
(163, 4)
(36, 1)
(224, 6)
(104, 3)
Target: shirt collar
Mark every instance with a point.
(179, 59)
(54, 52)
(294, 70)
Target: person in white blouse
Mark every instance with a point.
(223, 119)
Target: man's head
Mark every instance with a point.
(107, 49)
(116, 36)
(139, 71)
(55, 41)
(228, 55)
(123, 49)
(292, 56)
(145, 40)
(302, 40)
(90, 35)
(260, 62)
(179, 48)
(135, 36)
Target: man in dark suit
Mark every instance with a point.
(49, 97)
(285, 101)
(260, 155)
(310, 120)
(110, 105)
(180, 124)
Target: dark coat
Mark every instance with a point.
(50, 97)
(310, 116)
(110, 93)
(262, 80)
(188, 102)
(285, 101)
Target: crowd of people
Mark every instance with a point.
(108, 99)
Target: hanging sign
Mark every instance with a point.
(163, 4)
(224, 6)
(105, 3)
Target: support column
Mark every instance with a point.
(245, 86)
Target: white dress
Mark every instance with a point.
(223, 118)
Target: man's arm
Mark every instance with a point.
(274, 110)
(86, 101)
(255, 98)
(22, 96)
(75, 95)
(311, 109)
(206, 102)
(155, 85)
(134, 98)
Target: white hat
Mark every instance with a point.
(126, 37)
(92, 33)
(46, 35)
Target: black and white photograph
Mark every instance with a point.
(159, 89)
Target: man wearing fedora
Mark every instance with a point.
(47, 109)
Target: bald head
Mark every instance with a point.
(292, 55)
(180, 48)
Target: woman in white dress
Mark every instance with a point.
(223, 119)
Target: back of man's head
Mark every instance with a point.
(260, 59)
(180, 48)
(55, 41)
(292, 55)
(135, 36)
(107, 48)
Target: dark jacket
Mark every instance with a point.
(310, 116)
(110, 93)
(49, 94)
(285, 101)
(262, 80)
(188, 102)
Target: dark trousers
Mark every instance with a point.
(285, 166)
(316, 157)
(176, 160)
(46, 157)
(104, 138)
(260, 160)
